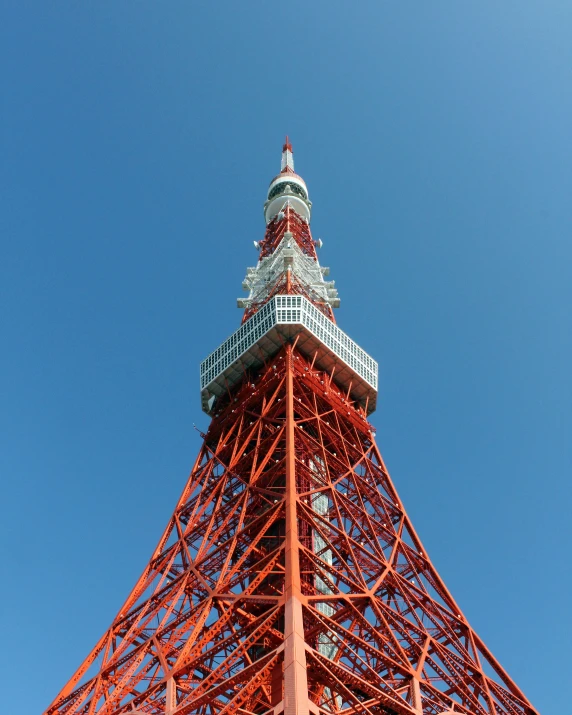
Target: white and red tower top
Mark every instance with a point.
(288, 262)
(289, 299)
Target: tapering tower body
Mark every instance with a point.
(289, 578)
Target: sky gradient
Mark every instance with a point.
(137, 143)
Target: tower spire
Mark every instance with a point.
(287, 157)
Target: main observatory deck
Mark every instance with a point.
(261, 336)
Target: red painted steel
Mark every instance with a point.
(232, 608)
(288, 220)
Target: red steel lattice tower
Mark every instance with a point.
(289, 578)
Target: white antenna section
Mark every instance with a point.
(287, 156)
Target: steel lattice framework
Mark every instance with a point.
(289, 577)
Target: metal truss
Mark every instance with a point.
(288, 255)
(292, 285)
(290, 579)
(288, 221)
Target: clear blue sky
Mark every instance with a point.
(137, 143)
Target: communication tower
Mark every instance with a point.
(289, 578)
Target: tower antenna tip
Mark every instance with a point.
(287, 146)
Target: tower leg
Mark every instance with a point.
(295, 674)
(416, 696)
(171, 697)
